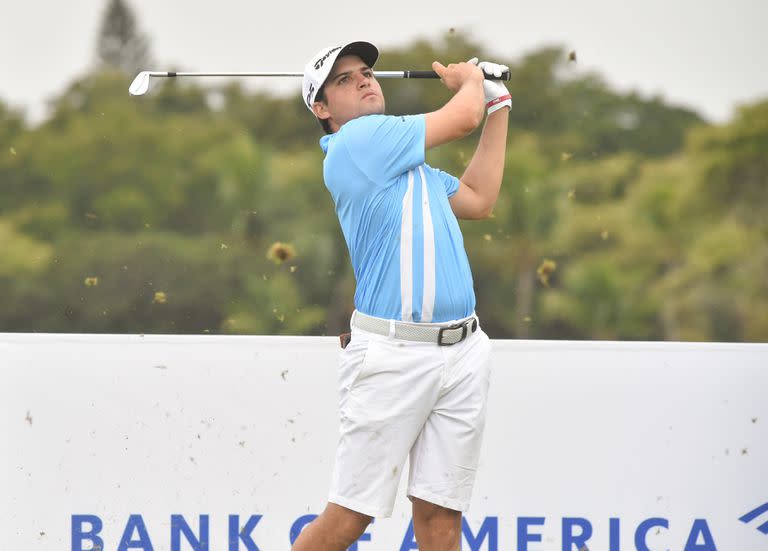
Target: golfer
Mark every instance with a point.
(413, 380)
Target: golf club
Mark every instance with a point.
(140, 84)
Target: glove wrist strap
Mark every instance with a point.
(499, 100)
(499, 103)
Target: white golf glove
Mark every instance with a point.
(496, 94)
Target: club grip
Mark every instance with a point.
(432, 74)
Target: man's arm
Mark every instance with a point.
(464, 112)
(479, 185)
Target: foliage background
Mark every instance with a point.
(620, 216)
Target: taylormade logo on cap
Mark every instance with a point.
(319, 66)
(319, 62)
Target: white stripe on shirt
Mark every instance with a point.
(406, 253)
(428, 302)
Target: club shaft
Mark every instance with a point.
(140, 84)
(378, 74)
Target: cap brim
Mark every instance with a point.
(365, 50)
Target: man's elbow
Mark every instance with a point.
(469, 120)
(485, 212)
(473, 120)
(480, 211)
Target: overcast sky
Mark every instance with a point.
(708, 55)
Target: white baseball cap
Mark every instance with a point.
(319, 66)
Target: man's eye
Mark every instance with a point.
(342, 80)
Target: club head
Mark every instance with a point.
(140, 84)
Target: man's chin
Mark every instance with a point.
(377, 109)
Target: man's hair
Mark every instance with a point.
(325, 123)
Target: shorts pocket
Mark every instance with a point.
(352, 361)
(369, 362)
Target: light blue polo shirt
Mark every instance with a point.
(404, 241)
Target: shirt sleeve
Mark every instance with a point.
(383, 147)
(451, 183)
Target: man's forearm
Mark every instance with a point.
(486, 168)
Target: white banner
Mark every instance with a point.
(225, 443)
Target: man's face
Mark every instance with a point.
(351, 91)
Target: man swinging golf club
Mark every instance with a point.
(414, 378)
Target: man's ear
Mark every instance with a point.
(321, 110)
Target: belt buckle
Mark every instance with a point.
(462, 326)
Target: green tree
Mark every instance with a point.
(11, 125)
(716, 290)
(579, 113)
(592, 293)
(120, 44)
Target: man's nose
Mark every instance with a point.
(363, 80)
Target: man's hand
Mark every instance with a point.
(457, 74)
(496, 94)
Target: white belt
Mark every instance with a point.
(443, 335)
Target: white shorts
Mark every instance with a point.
(402, 398)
